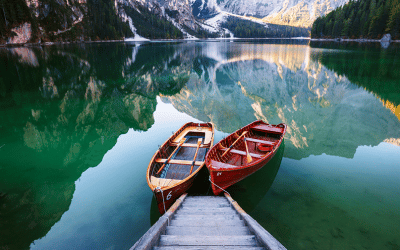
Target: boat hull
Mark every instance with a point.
(224, 178)
(177, 162)
(168, 196)
(225, 172)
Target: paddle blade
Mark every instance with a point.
(249, 159)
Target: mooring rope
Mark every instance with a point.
(218, 186)
(162, 194)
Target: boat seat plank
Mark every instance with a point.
(182, 162)
(239, 152)
(269, 143)
(206, 130)
(159, 182)
(268, 129)
(223, 166)
(191, 145)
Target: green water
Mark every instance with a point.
(80, 123)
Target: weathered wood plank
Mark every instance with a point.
(204, 209)
(202, 223)
(208, 204)
(208, 248)
(215, 198)
(207, 217)
(208, 231)
(179, 240)
(211, 223)
(263, 236)
(151, 237)
(206, 213)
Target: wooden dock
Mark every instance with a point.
(209, 223)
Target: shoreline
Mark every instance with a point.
(8, 45)
(55, 43)
(359, 40)
(199, 39)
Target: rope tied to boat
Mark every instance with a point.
(218, 186)
(162, 194)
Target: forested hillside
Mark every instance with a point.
(72, 20)
(248, 29)
(152, 26)
(360, 19)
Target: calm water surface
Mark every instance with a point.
(80, 123)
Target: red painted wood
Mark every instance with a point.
(233, 168)
(172, 192)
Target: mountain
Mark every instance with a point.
(61, 20)
(87, 20)
(299, 13)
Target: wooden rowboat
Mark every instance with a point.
(176, 163)
(242, 153)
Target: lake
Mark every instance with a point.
(80, 123)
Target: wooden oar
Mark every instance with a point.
(245, 132)
(166, 162)
(195, 155)
(249, 159)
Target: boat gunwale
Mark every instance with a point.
(253, 163)
(174, 135)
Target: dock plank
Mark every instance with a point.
(208, 248)
(175, 240)
(202, 223)
(210, 223)
(208, 231)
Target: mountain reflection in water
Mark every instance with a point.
(64, 107)
(325, 112)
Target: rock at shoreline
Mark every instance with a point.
(386, 38)
(385, 41)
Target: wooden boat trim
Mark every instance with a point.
(165, 188)
(183, 162)
(268, 129)
(208, 135)
(159, 180)
(239, 152)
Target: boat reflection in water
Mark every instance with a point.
(248, 192)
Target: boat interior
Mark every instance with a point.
(257, 141)
(181, 156)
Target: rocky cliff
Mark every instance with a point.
(300, 13)
(83, 20)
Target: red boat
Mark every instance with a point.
(242, 153)
(176, 163)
